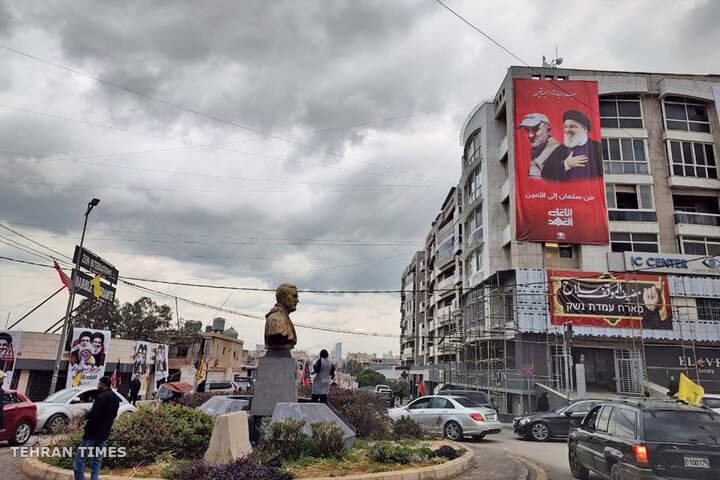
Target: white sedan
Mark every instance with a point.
(64, 404)
(454, 417)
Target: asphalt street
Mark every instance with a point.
(551, 456)
(11, 466)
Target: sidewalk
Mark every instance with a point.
(495, 465)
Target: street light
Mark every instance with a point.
(71, 299)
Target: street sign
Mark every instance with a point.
(528, 370)
(95, 264)
(92, 287)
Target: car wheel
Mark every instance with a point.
(453, 431)
(22, 433)
(576, 468)
(55, 422)
(540, 431)
(615, 472)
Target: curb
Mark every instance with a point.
(540, 474)
(37, 470)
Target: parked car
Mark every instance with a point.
(542, 426)
(712, 401)
(378, 388)
(64, 404)
(628, 440)
(454, 417)
(388, 396)
(222, 404)
(20, 418)
(172, 391)
(477, 396)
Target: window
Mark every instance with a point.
(418, 404)
(445, 249)
(591, 418)
(691, 159)
(620, 111)
(634, 242)
(475, 226)
(700, 245)
(475, 262)
(686, 114)
(474, 183)
(630, 203)
(708, 308)
(624, 155)
(437, 402)
(582, 407)
(603, 420)
(472, 151)
(558, 250)
(625, 421)
(691, 427)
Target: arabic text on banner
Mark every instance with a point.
(140, 364)
(9, 346)
(609, 300)
(89, 349)
(559, 189)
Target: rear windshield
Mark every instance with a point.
(466, 402)
(682, 427)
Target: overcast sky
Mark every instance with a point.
(302, 142)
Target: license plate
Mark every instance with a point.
(697, 462)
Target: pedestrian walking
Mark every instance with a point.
(134, 389)
(543, 404)
(97, 430)
(324, 370)
(672, 387)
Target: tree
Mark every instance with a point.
(354, 368)
(142, 320)
(97, 315)
(370, 378)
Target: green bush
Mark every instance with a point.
(146, 434)
(406, 427)
(365, 411)
(327, 439)
(385, 452)
(194, 400)
(287, 439)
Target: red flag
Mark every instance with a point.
(306, 375)
(115, 380)
(421, 389)
(63, 277)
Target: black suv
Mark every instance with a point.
(627, 440)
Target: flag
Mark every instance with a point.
(689, 391)
(115, 380)
(306, 375)
(63, 276)
(421, 389)
(201, 370)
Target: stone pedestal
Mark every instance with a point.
(276, 381)
(230, 439)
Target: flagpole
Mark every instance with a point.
(71, 300)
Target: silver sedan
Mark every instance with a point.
(64, 404)
(454, 417)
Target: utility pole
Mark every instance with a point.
(567, 342)
(71, 300)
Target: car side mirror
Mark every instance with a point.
(575, 423)
(75, 400)
(568, 414)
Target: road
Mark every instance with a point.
(11, 466)
(551, 455)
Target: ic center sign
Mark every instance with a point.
(671, 263)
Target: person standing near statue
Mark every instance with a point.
(324, 372)
(279, 329)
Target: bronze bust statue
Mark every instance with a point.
(279, 329)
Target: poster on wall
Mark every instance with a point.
(559, 189)
(140, 365)
(9, 345)
(609, 300)
(88, 350)
(161, 365)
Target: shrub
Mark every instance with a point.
(384, 452)
(250, 467)
(173, 430)
(194, 400)
(327, 439)
(406, 427)
(365, 411)
(287, 439)
(446, 452)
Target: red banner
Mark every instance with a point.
(559, 189)
(609, 300)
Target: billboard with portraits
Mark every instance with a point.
(559, 189)
(162, 371)
(9, 345)
(140, 364)
(88, 351)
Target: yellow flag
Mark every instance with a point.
(95, 282)
(689, 391)
(201, 370)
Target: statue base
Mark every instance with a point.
(276, 381)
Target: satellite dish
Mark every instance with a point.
(558, 60)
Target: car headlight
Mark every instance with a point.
(524, 421)
(41, 411)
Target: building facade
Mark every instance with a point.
(660, 137)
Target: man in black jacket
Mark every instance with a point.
(97, 430)
(134, 388)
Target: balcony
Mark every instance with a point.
(505, 191)
(444, 231)
(632, 216)
(445, 284)
(506, 235)
(710, 219)
(475, 236)
(503, 149)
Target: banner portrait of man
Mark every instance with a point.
(161, 365)
(88, 351)
(9, 344)
(140, 367)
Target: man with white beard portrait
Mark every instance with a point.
(580, 157)
(97, 348)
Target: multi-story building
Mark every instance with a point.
(660, 137)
